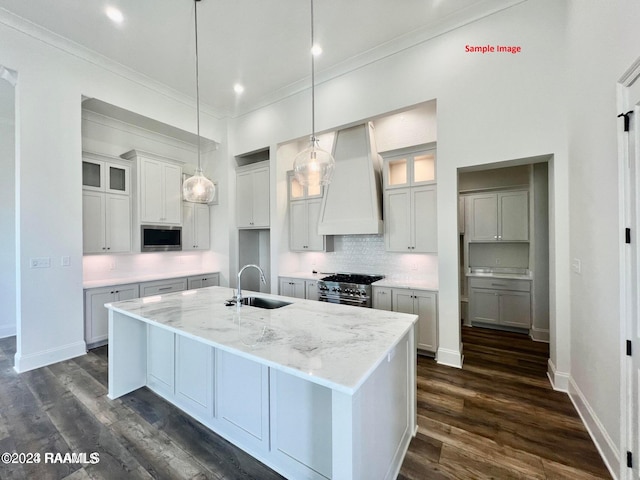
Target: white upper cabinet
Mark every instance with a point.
(305, 204)
(195, 226)
(299, 192)
(252, 196)
(160, 192)
(101, 173)
(409, 168)
(410, 202)
(495, 217)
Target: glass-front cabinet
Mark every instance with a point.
(300, 192)
(410, 167)
(99, 173)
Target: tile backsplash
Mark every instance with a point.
(367, 254)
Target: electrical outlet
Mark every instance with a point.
(414, 266)
(65, 261)
(576, 266)
(112, 265)
(497, 261)
(40, 262)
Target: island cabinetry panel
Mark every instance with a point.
(242, 387)
(301, 430)
(195, 226)
(292, 287)
(160, 287)
(498, 217)
(161, 360)
(423, 304)
(252, 196)
(382, 298)
(202, 281)
(194, 367)
(496, 301)
(96, 317)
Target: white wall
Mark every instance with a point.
(490, 108)
(49, 196)
(7, 211)
(596, 63)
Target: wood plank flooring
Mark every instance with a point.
(495, 418)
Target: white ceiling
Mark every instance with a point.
(262, 44)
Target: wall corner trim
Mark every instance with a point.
(559, 380)
(603, 442)
(24, 363)
(451, 358)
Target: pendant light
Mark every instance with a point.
(313, 166)
(198, 188)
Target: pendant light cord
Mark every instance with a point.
(313, 88)
(197, 84)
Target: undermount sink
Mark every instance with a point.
(261, 302)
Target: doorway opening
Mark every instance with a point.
(503, 225)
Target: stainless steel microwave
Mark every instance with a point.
(160, 238)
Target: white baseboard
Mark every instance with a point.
(32, 361)
(451, 358)
(607, 448)
(559, 380)
(7, 331)
(539, 334)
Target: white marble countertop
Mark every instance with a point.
(305, 275)
(107, 282)
(337, 346)
(417, 283)
(510, 276)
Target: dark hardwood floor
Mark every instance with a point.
(495, 418)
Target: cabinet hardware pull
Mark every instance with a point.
(164, 288)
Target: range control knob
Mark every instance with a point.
(362, 292)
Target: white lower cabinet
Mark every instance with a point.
(292, 287)
(160, 287)
(202, 281)
(311, 290)
(242, 409)
(382, 298)
(96, 316)
(423, 304)
(194, 366)
(504, 302)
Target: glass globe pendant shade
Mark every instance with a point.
(313, 165)
(198, 189)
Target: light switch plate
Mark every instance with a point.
(576, 266)
(40, 262)
(65, 261)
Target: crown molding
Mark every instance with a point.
(415, 37)
(72, 48)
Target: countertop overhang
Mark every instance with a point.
(336, 346)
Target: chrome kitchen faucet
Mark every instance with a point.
(238, 297)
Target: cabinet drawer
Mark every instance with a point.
(162, 287)
(500, 284)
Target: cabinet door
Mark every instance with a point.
(172, 194)
(118, 223)
(240, 378)
(382, 298)
(194, 375)
(116, 178)
(261, 197)
(160, 287)
(426, 309)
(402, 301)
(151, 191)
(298, 230)
(161, 360)
(92, 175)
(315, 242)
(127, 292)
(188, 226)
(484, 217)
(514, 216)
(93, 226)
(244, 199)
(311, 290)
(211, 280)
(201, 228)
(515, 309)
(292, 287)
(96, 327)
(424, 219)
(484, 306)
(397, 220)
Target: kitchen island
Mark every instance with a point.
(314, 390)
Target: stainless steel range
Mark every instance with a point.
(348, 289)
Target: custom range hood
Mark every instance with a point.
(352, 202)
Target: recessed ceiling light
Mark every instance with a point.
(238, 88)
(316, 50)
(114, 14)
